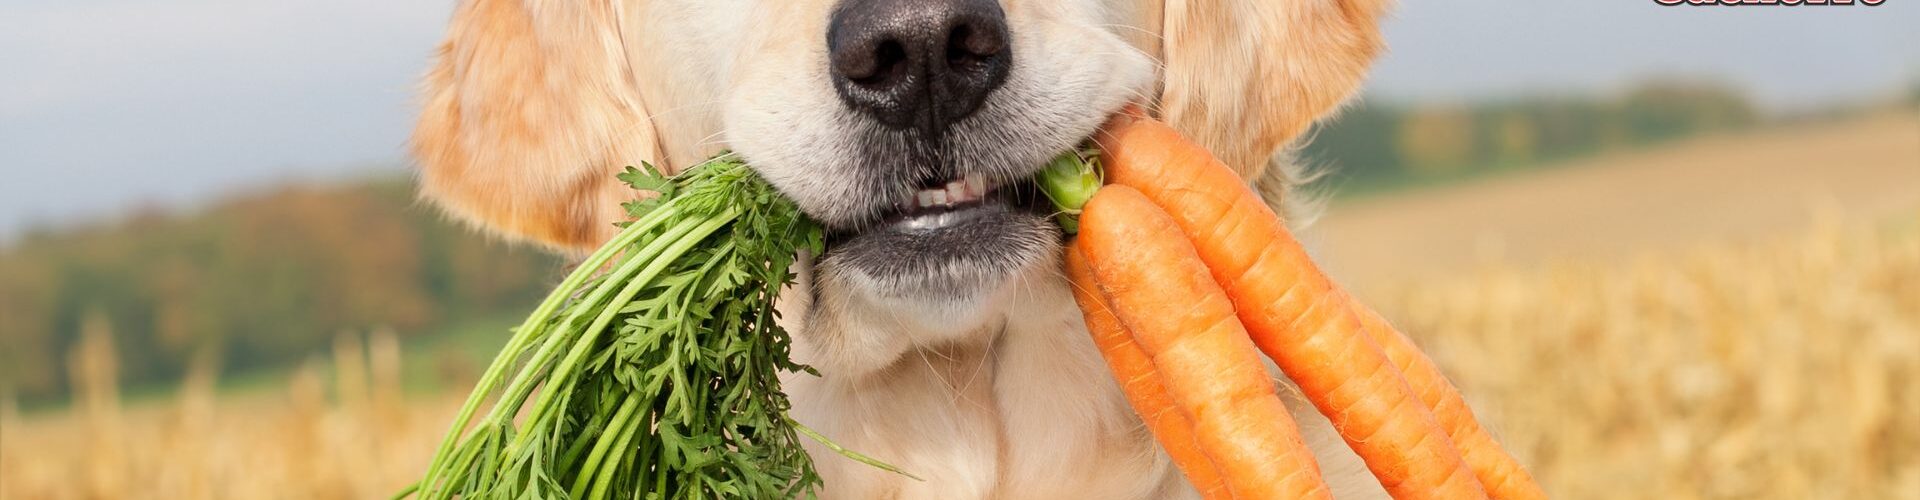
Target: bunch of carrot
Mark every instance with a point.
(1184, 274)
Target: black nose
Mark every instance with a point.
(921, 64)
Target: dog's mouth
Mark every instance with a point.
(951, 236)
(950, 203)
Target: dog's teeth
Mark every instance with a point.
(965, 190)
(957, 193)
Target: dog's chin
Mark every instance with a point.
(954, 256)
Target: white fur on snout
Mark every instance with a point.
(783, 115)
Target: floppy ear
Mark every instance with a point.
(529, 114)
(1244, 78)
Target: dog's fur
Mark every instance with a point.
(974, 373)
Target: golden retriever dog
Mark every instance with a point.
(945, 337)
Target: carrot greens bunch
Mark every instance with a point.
(655, 361)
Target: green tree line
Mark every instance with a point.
(1379, 145)
(262, 280)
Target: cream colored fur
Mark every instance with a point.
(534, 104)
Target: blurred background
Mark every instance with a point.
(1667, 252)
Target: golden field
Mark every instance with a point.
(1773, 360)
(1771, 370)
(340, 433)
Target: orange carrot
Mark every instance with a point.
(1141, 382)
(1503, 476)
(1295, 314)
(1162, 293)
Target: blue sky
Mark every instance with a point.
(107, 105)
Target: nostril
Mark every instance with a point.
(960, 51)
(889, 60)
(975, 41)
(969, 48)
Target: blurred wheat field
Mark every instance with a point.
(1776, 370)
(1779, 369)
(343, 434)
